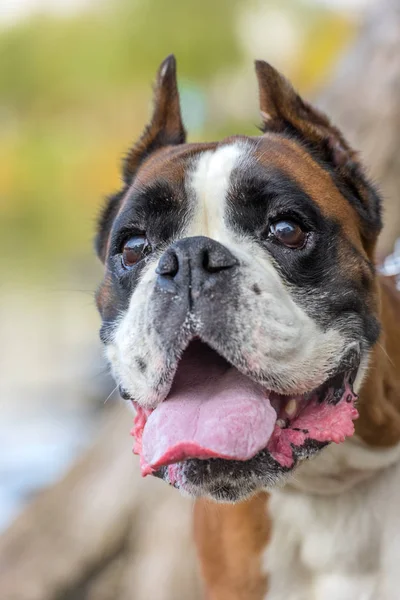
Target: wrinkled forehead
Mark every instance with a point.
(213, 172)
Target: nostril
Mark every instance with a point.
(205, 263)
(168, 265)
(217, 260)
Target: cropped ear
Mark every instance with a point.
(281, 107)
(283, 110)
(165, 129)
(166, 126)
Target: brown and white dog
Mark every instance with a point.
(242, 314)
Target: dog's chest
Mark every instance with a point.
(335, 547)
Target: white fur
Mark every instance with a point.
(209, 184)
(336, 527)
(127, 344)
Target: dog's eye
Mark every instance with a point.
(134, 250)
(288, 233)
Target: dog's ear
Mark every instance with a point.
(283, 110)
(165, 129)
(166, 126)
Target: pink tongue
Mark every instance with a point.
(212, 411)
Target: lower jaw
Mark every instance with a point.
(317, 423)
(231, 480)
(286, 444)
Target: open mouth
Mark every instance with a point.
(213, 411)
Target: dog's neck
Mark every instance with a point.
(376, 444)
(379, 422)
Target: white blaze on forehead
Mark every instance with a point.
(209, 183)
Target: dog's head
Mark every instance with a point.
(239, 300)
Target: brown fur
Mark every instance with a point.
(170, 163)
(230, 539)
(379, 422)
(291, 158)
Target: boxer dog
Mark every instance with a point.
(242, 317)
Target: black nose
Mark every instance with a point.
(194, 261)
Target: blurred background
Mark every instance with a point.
(75, 92)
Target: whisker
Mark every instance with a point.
(386, 354)
(111, 393)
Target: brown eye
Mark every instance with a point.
(134, 250)
(289, 233)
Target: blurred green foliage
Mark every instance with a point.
(75, 92)
(51, 63)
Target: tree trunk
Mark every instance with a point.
(363, 99)
(102, 533)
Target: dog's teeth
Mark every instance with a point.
(281, 423)
(291, 407)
